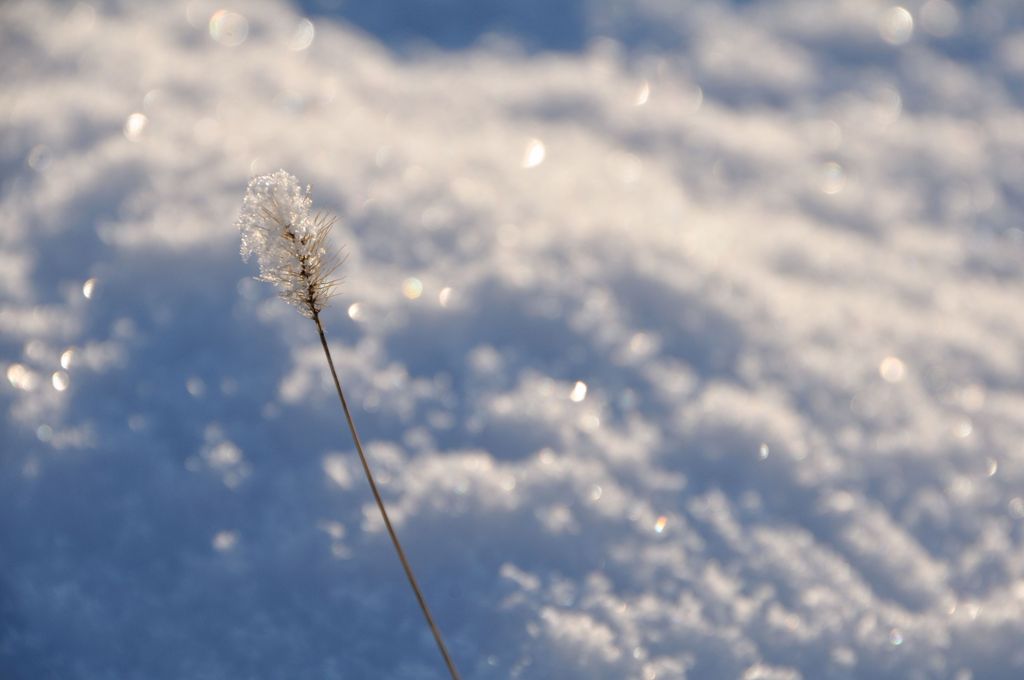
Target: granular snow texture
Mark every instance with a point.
(687, 340)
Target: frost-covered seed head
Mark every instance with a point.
(288, 242)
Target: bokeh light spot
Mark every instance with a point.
(896, 26)
(833, 178)
(643, 94)
(303, 36)
(39, 158)
(229, 28)
(892, 370)
(412, 288)
(21, 377)
(135, 126)
(60, 380)
(225, 540)
(534, 153)
(579, 391)
(195, 386)
(962, 428)
(445, 296)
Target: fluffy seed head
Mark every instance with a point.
(289, 243)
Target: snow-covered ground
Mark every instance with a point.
(687, 340)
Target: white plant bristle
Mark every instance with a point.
(289, 243)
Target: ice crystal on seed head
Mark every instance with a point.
(289, 243)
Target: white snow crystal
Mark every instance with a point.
(288, 241)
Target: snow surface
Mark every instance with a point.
(687, 340)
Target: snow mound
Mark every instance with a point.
(685, 343)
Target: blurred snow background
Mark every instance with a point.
(687, 339)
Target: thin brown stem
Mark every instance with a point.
(380, 505)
